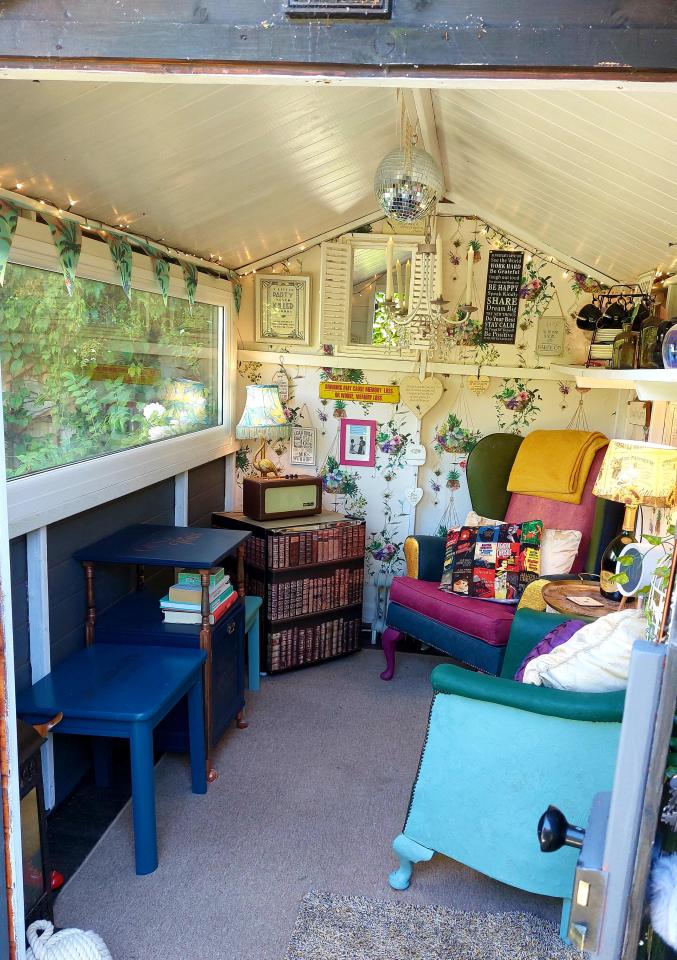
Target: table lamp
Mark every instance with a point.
(263, 419)
(638, 475)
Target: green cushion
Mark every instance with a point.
(487, 473)
(606, 707)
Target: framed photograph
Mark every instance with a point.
(282, 309)
(357, 446)
(303, 446)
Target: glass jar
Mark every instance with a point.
(647, 342)
(669, 348)
(624, 353)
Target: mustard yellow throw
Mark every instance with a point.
(555, 463)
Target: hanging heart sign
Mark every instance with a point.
(478, 385)
(420, 395)
(414, 496)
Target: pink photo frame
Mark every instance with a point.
(357, 443)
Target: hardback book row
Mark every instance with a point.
(299, 546)
(302, 645)
(294, 598)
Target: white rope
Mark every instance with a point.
(64, 945)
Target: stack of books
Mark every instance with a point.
(183, 603)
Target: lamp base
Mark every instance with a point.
(609, 566)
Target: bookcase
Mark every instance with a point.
(309, 571)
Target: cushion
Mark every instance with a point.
(558, 547)
(553, 639)
(595, 660)
(492, 562)
(490, 622)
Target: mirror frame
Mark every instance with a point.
(369, 241)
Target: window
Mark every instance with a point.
(95, 374)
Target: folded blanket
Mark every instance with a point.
(555, 464)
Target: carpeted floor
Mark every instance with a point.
(331, 927)
(309, 797)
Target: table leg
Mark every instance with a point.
(143, 798)
(206, 644)
(196, 736)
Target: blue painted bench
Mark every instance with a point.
(125, 691)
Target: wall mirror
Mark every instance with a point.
(353, 289)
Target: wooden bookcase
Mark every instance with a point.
(309, 571)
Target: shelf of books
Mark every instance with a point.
(310, 576)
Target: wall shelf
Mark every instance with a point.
(648, 384)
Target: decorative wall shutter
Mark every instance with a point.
(419, 300)
(335, 292)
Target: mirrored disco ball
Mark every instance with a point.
(407, 192)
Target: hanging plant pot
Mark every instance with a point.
(531, 290)
(452, 437)
(339, 409)
(477, 256)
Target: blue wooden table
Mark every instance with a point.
(125, 691)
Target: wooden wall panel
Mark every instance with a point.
(206, 487)
(22, 663)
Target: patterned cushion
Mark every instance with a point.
(492, 562)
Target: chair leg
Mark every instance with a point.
(143, 798)
(388, 640)
(253, 653)
(564, 922)
(196, 738)
(409, 852)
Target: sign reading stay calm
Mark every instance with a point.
(502, 300)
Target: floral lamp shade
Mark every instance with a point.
(638, 474)
(263, 415)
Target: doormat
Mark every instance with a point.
(331, 927)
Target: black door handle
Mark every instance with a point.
(554, 831)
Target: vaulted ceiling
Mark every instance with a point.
(241, 172)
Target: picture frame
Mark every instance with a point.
(282, 309)
(303, 446)
(357, 443)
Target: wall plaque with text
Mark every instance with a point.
(339, 8)
(502, 299)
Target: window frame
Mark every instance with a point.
(39, 499)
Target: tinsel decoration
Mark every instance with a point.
(9, 215)
(67, 237)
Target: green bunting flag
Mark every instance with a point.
(161, 271)
(8, 219)
(67, 237)
(237, 288)
(121, 252)
(190, 279)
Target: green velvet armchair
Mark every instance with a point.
(496, 754)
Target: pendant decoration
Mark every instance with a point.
(190, 280)
(161, 271)
(478, 385)
(9, 215)
(281, 381)
(419, 396)
(121, 254)
(237, 288)
(67, 237)
(414, 496)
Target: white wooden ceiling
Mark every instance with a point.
(242, 172)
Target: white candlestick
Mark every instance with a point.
(468, 281)
(398, 271)
(407, 283)
(389, 269)
(438, 267)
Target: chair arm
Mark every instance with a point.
(528, 628)
(596, 707)
(425, 557)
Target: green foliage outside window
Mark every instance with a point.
(93, 374)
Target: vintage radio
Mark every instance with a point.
(274, 498)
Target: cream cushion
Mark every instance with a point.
(558, 547)
(595, 660)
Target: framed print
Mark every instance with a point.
(282, 309)
(303, 446)
(357, 446)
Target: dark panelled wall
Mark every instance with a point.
(154, 504)
(206, 492)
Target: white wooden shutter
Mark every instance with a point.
(335, 293)
(419, 300)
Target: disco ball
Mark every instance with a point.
(408, 184)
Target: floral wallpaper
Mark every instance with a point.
(449, 431)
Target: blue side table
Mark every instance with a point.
(125, 691)
(137, 619)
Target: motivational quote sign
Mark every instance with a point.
(502, 299)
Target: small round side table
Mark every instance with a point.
(560, 595)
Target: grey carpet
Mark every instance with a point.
(332, 927)
(309, 797)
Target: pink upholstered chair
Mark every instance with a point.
(475, 631)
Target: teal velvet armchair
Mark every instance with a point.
(496, 754)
